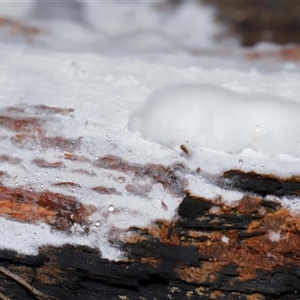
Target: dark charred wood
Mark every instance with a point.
(192, 207)
(262, 185)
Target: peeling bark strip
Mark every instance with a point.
(105, 190)
(38, 110)
(42, 163)
(158, 173)
(5, 158)
(59, 211)
(29, 125)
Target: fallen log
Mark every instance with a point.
(207, 250)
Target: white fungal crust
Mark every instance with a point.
(64, 121)
(218, 119)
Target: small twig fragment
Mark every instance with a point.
(3, 297)
(184, 149)
(35, 292)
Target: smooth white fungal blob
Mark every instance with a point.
(218, 119)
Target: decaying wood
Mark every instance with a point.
(210, 250)
(56, 210)
(261, 184)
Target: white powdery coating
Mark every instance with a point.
(104, 92)
(218, 119)
(274, 236)
(25, 237)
